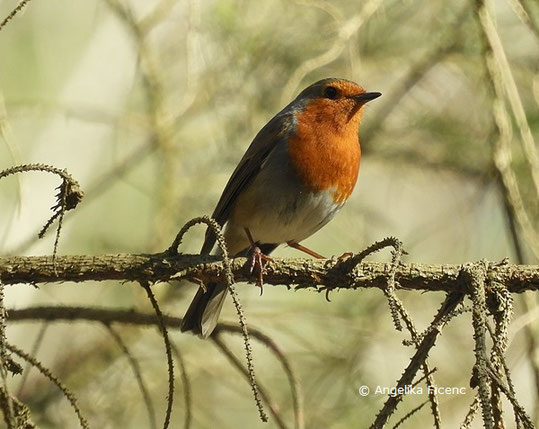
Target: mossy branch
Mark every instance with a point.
(295, 273)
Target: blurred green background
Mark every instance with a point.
(150, 104)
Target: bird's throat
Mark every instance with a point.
(326, 156)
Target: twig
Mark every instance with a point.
(7, 404)
(523, 12)
(443, 45)
(70, 397)
(410, 414)
(520, 412)
(166, 339)
(398, 311)
(160, 123)
(474, 406)
(217, 340)
(97, 188)
(500, 77)
(229, 278)
(450, 303)
(501, 307)
(21, 412)
(136, 372)
(69, 195)
(33, 352)
(108, 316)
(346, 30)
(475, 275)
(295, 386)
(14, 12)
(186, 387)
(492, 54)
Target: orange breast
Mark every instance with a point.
(325, 149)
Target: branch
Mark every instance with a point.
(297, 273)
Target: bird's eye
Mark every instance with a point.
(331, 92)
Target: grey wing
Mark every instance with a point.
(276, 130)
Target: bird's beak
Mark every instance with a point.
(366, 97)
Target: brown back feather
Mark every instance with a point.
(276, 130)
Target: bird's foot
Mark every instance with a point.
(305, 250)
(257, 258)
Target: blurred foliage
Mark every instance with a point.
(150, 110)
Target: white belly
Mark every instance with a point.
(287, 216)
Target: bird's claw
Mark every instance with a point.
(345, 255)
(256, 260)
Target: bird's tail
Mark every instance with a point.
(202, 315)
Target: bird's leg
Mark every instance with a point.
(304, 249)
(345, 255)
(256, 259)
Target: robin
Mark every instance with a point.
(297, 173)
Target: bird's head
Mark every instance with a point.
(339, 101)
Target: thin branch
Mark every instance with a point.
(442, 46)
(162, 327)
(472, 410)
(45, 371)
(476, 274)
(108, 316)
(295, 386)
(507, 81)
(160, 121)
(33, 352)
(7, 405)
(523, 12)
(500, 81)
(69, 195)
(137, 373)
(132, 317)
(101, 184)
(450, 303)
(215, 229)
(347, 29)
(186, 386)
(274, 409)
(14, 12)
(410, 414)
(520, 412)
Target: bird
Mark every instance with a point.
(298, 171)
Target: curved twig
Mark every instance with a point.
(22, 4)
(35, 347)
(69, 195)
(70, 397)
(410, 414)
(136, 372)
(186, 387)
(217, 340)
(229, 278)
(170, 362)
(108, 316)
(398, 312)
(450, 303)
(295, 386)
(346, 30)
